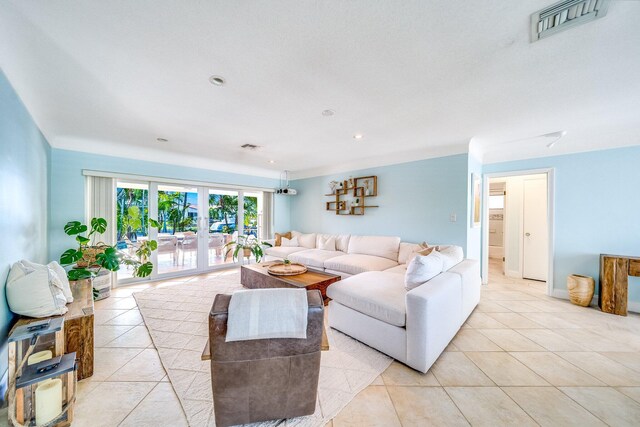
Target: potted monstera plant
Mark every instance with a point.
(248, 244)
(90, 257)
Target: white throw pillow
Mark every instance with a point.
(61, 275)
(293, 242)
(32, 290)
(307, 240)
(451, 255)
(421, 269)
(327, 243)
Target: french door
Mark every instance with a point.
(197, 223)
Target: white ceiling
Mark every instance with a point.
(418, 78)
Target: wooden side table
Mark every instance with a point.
(614, 282)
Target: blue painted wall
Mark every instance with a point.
(24, 170)
(67, 187)
(597, 209)
(416, 200)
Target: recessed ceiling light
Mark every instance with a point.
(162, 139)
(272, 161)
(358, 136)
(217, 80)
(328, 113)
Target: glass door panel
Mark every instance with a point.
(223, 225)
(178, 232)
(132, 215)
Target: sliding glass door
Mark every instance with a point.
(197, 225)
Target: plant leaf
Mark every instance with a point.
(153, 223)
(144, 270)
(153, 245)
(82, 240)
(79, 274)
(267, 244)
(70, 256)
(74, 227)
(109, 259)
(99, 225)
(133, 212)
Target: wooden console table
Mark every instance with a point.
(614, 281)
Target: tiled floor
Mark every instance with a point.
(521, 358)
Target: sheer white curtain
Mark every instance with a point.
(100, 202)
(267, 216)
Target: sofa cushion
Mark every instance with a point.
(356, 263)
(314, 258)
(398, 269)
(307, 240)
(282, 251)
(451, 254)
(279, 236)
(421, 269)
(342, 242)
(290, 243)
(326, 242)
(378, 294)
(381, 246)
(406, 251)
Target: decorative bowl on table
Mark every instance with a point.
(286, 269)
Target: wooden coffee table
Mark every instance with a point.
(255, 276)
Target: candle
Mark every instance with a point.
(39, 357)
(48, 400)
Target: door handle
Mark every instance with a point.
(527, 234)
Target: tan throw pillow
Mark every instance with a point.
(279, 237)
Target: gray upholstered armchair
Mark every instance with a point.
(264, 379)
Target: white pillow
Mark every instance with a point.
(307, 240)
(61, 275)
(451, 255)
(327, 243)
(32, 290)
(293, 242)
(421, 269)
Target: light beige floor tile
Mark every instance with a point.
(519, 306)
(421, 406)
(551, 340)
(481, 320)
(488, 406)
(100, 317)
(455, 369)
(510, 340)
(131, 317)
(514, 320)
(548, 320)
(109, 403)
(371, 407)
(399, 374)
(632, 392)
(472, 340)
(504, 369)
(103, 334)
(378, 381)
(603, 368)
(491, 307)
(630, 360)
(137, 337)
(548, 406)
(108, 360)
(160, 407)
(592, 340)
(145, 366)
(608, 404)
(555, 369)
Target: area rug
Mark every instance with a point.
(176, 316)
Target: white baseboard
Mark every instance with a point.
(632, 306)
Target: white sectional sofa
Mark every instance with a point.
(371, 302)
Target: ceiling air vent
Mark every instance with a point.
(251, 147)
(564, 15)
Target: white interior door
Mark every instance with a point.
(535, 228)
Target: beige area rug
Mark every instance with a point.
(176, 316)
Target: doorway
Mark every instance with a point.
(517, 230)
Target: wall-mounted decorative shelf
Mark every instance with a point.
(350, 196)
